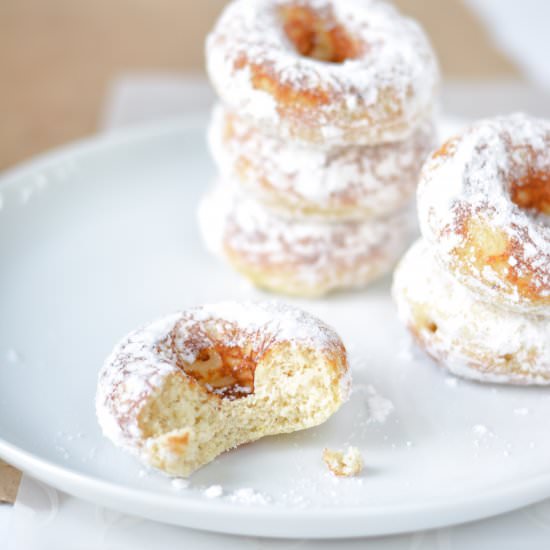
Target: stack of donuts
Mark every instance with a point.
(475, 290)
(325, 119)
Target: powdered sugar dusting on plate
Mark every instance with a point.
(379, 407)
(249, 497)
(214, 491)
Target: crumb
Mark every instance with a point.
(214, 491)
(480, 429)
(379, 407)
(179, 483)
(343, 464)
(248, 496)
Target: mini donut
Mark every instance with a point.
(180, 391)
(297, 257)
(469, 337)
(484, 206)
(353, 182)
(323, 71)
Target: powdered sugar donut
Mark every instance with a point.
(182, 390)
(323, 71)
(484, 205)
(469, 337)
(297, 257)
(353, 182)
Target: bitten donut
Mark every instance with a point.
(184, 389)
(484, 205)
(353, 182)
(300, 258)
(467, 336)
(323, 71)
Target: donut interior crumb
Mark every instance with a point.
(346, 463)
(288, 390)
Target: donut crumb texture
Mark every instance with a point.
(346, 463)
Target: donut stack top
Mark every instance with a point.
(329, 72)
(484, 210)
(325, 118)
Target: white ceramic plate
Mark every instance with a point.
(101, 237)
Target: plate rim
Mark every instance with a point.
(495, 501)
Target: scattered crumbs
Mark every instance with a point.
(214, 491)
(346, 463)
(248, 496)
(379, 407)
(179, 483)
(521, 411)
(481, 430)
(12, 356)
(451, 381)
(481, 433)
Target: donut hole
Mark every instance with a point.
(532, 191)
(224, 370)
(318, 35)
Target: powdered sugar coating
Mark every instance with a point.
(376, 97)
(306, 257)
(468, 182)
(469, 337)
(353, 182)
(141, 362)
